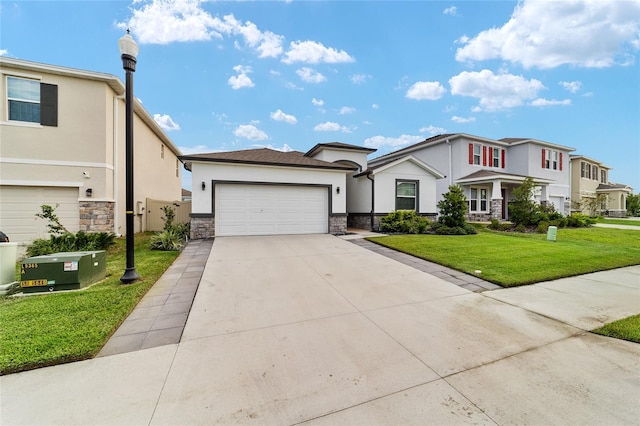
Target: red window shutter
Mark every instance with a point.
(503, 159)
(560, 161)
(490, 157)
(484, 155)
(470, 153)
(544, 158)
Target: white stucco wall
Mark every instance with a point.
(385, 187)
(206, 172)
(332, 155)
(358, 194)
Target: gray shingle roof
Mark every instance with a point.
(265, 156)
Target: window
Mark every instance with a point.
(496, 157)
(473, 199)
(585, 170)
(551, 160)
(483, 199)
(603, 176)
(594, 172)
(406, 195)
(476, 153)
(31, 101)
(162, 151)
(23, 97)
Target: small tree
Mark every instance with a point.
(594, 205)
(53, 222)
(522, 208)
(453, 213)
(633, 205)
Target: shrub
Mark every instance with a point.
(520, 228)
(452, 219)
(173, 236)
(543, 227)
(506, 226)
(404, 222)
(579, 220)
(495, 224)
(61, 240)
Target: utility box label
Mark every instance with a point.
(70, 266)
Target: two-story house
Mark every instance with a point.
(488, 170)
(591, 191)
(62, 134)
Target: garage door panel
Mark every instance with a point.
(270, 209)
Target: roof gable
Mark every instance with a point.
(338, 146)
(392, 163)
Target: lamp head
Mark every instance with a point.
(128, 46)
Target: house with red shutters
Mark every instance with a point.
(488, 170)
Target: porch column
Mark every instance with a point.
(496, 200)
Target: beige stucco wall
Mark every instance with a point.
(87, 147)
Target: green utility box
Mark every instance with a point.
(62, 271)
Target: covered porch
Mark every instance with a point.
(488, 193)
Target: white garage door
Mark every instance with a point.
(19, 205)
(270, 210)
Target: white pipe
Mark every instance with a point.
(116, 222)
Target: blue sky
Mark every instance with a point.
(233, 75)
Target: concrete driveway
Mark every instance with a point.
(314, 329)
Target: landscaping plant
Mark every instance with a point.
(62, 240)
(173, 236)
(453, 214)
(404, 222)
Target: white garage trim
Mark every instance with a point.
(265, 208)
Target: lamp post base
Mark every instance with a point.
(130, 275)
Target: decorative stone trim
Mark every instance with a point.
(616, 213)
(96, 216)
(496, 208)
(202, 226)
(338, 224)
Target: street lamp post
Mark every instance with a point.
(129, 51)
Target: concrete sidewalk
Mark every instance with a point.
(314, 329)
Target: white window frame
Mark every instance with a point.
(30, 101)
(414, 196)
(480, 202)
(496, 157)
(477, 157)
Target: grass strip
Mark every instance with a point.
(629, 222)
(625, 329)
(513, 259)
(54, 328)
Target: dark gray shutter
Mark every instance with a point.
(48, 104)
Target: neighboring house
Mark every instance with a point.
(267, 192)
(63, 143)
(489, 170)
(186, 195)
(591, 191)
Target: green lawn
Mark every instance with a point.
(625, 329)
(55, 328)
(512, 259)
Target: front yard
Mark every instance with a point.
(512, 259)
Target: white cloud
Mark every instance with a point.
(308, 75)
(162, 22)
(312, 52)
(281, 116)
(495, 91)
(571, 86)
(548, 34)
(283, 148)
(4, 52)
(330, 126)
(387, 142)
(166, 122)
(359, 78)
(375, 106)
(453, 11)
(541, 102)
(251, 132)
(267, 44)
(317, 102)
(242, 79)
(430, 90)
(432, 130)
(347, 110)
(457, 119)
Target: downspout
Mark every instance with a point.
(450, 163)
(372, 198)
(116, 222)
